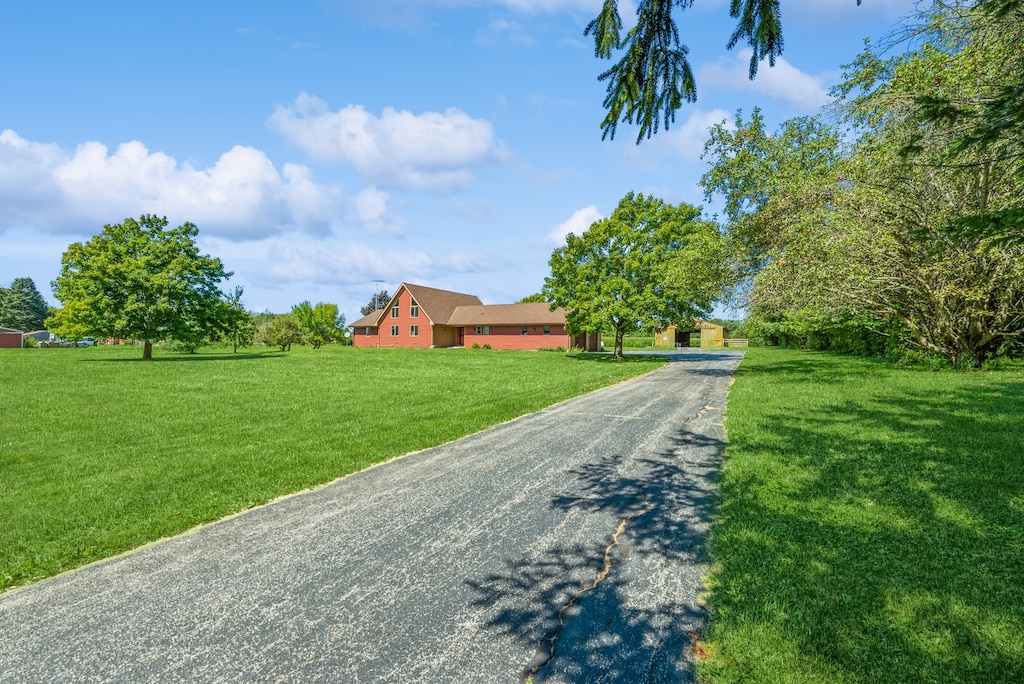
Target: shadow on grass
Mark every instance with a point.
(607, 357)
(626, 624)
(878, 540)
(641, 356)
(186, 358)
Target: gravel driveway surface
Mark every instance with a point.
(564, 546)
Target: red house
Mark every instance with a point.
(420, 316)
(416, 316)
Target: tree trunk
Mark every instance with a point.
(618, 341)
(147, 350)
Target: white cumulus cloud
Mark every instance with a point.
(783, 82)
(370, 210)
(432, 150)
(688, 140)
(576, 224)
(241, 196)
(341, 263)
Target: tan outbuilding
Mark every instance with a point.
(711, 335)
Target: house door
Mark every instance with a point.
(460, 338)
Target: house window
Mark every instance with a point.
(414, 309)
(547, 329)
(524, 331)
(414, 331)
(394, 331)
(394, 311)
(367, 331)
(483, 330)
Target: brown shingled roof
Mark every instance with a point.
(537, 313)
(438, 305)
(370, 320)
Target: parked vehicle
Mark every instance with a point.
(86, 342)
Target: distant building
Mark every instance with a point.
(40, 335)
(419, 316)
(711, 335)
(11, 338)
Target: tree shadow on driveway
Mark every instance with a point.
(624, 607)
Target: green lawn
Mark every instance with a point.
(872, 525)
(101, 452)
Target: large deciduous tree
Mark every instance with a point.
(954, 104)
(872, 236)
(648, 264)
(21, 306)
(764, 179)
(140, 279)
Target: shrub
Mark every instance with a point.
(182, 346)
(476, 346)
(487, 346)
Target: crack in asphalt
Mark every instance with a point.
(545, 653)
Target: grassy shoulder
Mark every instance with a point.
(101, 452)
(872, 524)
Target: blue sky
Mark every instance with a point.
(323, 145)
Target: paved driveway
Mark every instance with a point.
(566, 545)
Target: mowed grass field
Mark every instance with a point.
(101, 452)
(872, 525)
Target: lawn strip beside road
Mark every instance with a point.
(101, 452)
(872, 524)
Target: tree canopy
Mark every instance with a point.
(320, 324)
(963, 89)
(378, 301)
(648, 264)
(863, 245)
(653, 77)
(283, 331)
(140, 279)
(22, 307)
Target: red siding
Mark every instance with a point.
(511, 337)
(361, 339)
(405, 321)
(9, 339)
